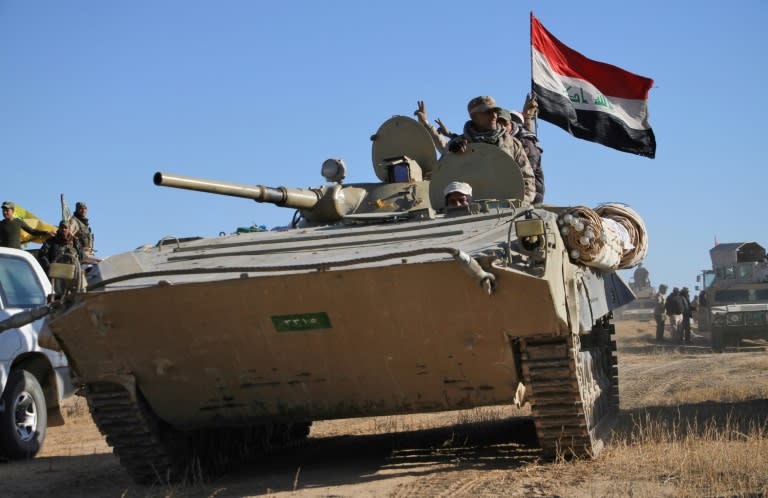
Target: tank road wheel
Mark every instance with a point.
(24, 419)
(573, 389)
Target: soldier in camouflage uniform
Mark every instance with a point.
(483, 127)
(61, 248)
(512, 121)
(81, 229)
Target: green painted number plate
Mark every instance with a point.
(303, 321)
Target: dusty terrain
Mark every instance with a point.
(692, 423)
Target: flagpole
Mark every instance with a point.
(530, 45)
(530, 49)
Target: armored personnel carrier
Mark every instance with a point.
(375, 301)
(734, 304)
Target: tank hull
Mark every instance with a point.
(313, 345)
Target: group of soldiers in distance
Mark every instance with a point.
(678, 308)
(72, 242)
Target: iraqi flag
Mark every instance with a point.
(589, 99)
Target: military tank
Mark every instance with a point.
(374, 301)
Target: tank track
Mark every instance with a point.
(572, 385)
(132, 432)
(151, 451)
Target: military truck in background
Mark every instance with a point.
(733, 296)
(641, 309)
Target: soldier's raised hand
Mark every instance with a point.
(531, 106)
(421, 113)
(530, 111)
(442, 129)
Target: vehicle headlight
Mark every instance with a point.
(718, 320)
(735, 318)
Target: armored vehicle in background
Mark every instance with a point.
(376, 301)
(734, 305)
(641, 309)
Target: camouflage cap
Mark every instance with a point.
(482, 104)
(80, 204)
(505, 115)
(9, 205)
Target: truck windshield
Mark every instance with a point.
(761, 295)
(732, 296)
(19, 287)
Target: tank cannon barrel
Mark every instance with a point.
(288, 197)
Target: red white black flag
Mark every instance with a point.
(589, 99)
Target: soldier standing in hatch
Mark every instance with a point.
(512, 121)
(10, 228)
(81, 228)
(483, 127)
(659, 314)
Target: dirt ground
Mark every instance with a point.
(487, 452)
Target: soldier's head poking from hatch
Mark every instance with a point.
(457, 194)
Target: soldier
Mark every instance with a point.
(81, 228)
(457, 194)
(675, 308)
(659, 313)
(687, 314)
(62, 247)
(10, 228)
(512, 121)
(483, 127)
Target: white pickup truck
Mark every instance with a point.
(33, 380)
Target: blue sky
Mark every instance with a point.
(96, 96)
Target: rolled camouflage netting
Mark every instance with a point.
(635, 227)
(609, 237)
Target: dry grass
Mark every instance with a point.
(685, 456)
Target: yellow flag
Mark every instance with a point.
(35, 222)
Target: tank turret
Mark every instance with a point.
(324, 204)
(411, 180)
